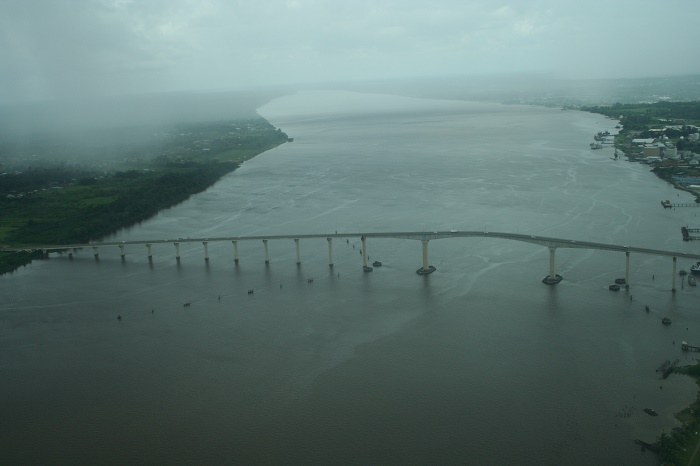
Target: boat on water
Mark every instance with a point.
(666, 321)
(377, 264)
(650, 412)
(692, 281)
(614, 287)
(695, 268)
(620, 281)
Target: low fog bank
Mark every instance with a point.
(536, 89)
(93, 131)
(60, 116)
(118, 127)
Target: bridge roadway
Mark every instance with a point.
(551, 243)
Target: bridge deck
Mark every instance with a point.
(546, 241)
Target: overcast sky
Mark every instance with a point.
(69, 48)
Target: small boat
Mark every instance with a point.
(692, 281)
(650, 412)
(666, 321)
(614, 287)
(377, 264)
(620, 281)
(695, 268)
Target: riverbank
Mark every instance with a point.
(662, 135)
(681, 446)
(62, 205)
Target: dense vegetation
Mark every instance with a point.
(678, 446)
(95, 207)
(68, 203)
(638, 117)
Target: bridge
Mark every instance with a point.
(423, 236)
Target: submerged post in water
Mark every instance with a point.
(330, 252)
(673, 278)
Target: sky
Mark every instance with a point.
(62, 49)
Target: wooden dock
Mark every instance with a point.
(688, 233)
(686, 347)
(667, 204)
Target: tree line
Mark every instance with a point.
(126, 198)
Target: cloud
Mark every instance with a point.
(54, 48)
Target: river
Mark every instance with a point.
(477, 363)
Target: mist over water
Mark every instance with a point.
(477, 363)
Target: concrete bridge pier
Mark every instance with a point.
(267, 257)
(365, 267)
(552, 278)
(627, 269)
(296, 244)
(206, 250)
(235, 251)
(673, 279)
(150, 252)
(426, 269)
(330, 251)
(95, 252)
(122, 253)
(177, 251)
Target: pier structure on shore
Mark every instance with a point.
(686, 347)
(668, 205)
(690, 234)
